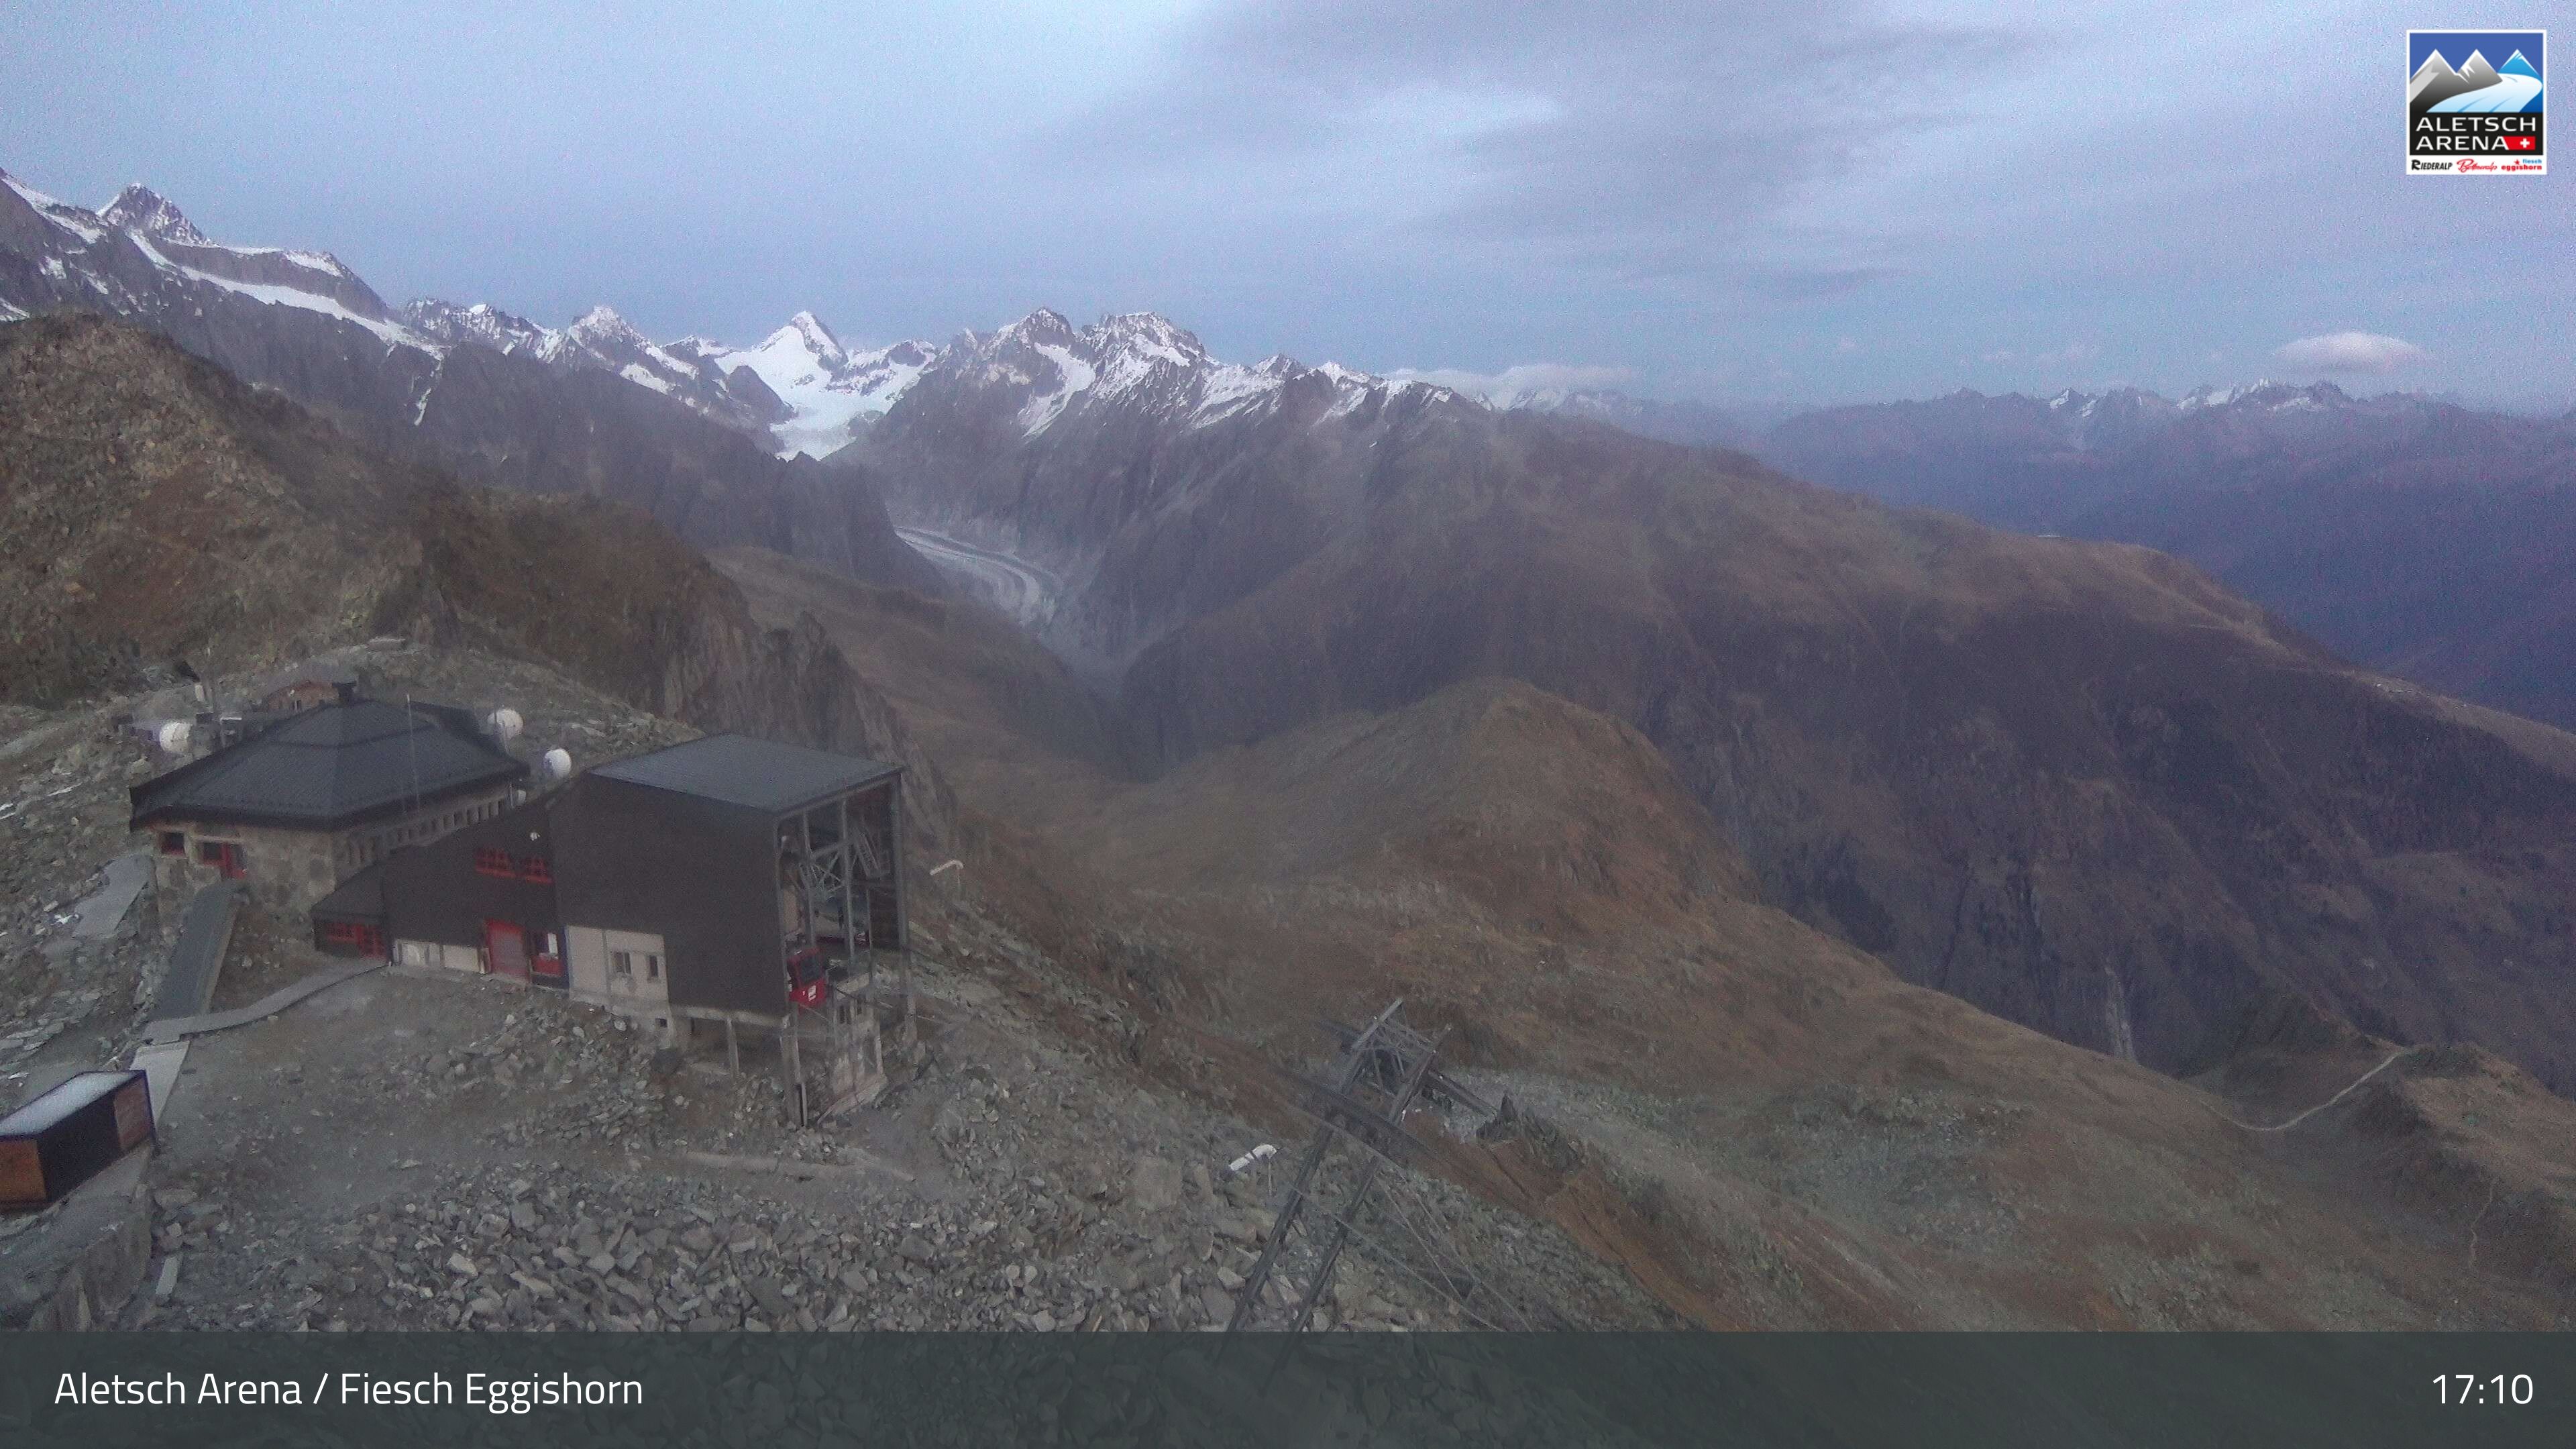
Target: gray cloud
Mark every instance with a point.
(1711, 194)
(1652, 139)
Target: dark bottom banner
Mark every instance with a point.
(96, 1391)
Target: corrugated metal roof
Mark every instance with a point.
(756, 774)
(332, 766)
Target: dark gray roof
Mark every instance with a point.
(333, 766)
(361, 897)
(756, 774)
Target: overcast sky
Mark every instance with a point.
(1685, 200)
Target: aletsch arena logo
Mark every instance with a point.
(2473, 103)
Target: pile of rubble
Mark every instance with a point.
(63, 809)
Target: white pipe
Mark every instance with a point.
(1243, 1164)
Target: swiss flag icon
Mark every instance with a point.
(2521, 143)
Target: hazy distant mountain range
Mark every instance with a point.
(2419, 536)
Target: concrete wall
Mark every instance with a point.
(643, 996)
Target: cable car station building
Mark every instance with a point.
(701, 890)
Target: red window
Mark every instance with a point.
(492, 861)
(366, 940)
(536, 868)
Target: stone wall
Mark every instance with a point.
(288, 870)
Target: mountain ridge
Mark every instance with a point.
(592, 408)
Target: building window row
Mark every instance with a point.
(430, 827)
(494, 861)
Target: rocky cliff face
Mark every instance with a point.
(1158, 482)
(164, 510)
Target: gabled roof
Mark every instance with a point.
(331, 767)
(754, 774)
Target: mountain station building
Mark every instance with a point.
(722, 884)
(300, 805)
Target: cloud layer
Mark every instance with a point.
(2367, 353)
(1521, 381)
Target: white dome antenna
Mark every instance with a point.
(504, 724)
(557, 765)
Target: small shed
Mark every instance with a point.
(71, 1134)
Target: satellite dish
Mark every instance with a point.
(173, 736)
(504, 724)
(558, 764)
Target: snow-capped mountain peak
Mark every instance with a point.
(602, 326)
(825, 392)
(139, 208)
(1150, 335)
(482, 323)
(817, 337)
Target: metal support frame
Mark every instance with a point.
(837, 878)
(1384, 1068)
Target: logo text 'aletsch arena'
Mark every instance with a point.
(2473, 103)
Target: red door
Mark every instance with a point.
(506, 947)
(546, 968)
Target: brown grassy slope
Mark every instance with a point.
(2079, 785)
(1763, 1111)
(155, 508)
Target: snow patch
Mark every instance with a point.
(827, 390)
(1230, 389)
(1074, 377)
(61, 214)
(391, 333)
